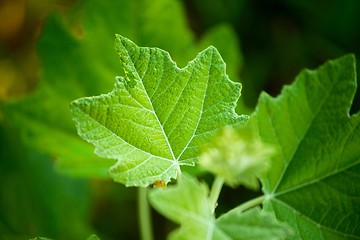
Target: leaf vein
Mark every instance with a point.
(201, 109)
(313, 117)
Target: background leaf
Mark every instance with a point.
(313, 183)
(158, 115)
(36, 200)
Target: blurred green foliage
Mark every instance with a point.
(34, 199)
(52, 52)
(281, 37)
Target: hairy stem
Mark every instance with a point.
(144, 215)
(215, 192)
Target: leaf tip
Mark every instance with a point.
(211, 48)
(119, 38)
(74, 105)
(122, 43)
(123, 47)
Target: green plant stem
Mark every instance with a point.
(144, 215)
(215, 191)
(249, 204)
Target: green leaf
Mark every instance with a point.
(252, 224)
(35, 199)
(314, 180)
(158, 115)
(187, 204)
(78, 59)
(225, 39)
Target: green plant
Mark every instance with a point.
(302, 145)
(53, 171)
(74, 57)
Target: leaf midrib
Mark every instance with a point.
(154, 112)
(334, 172)
(314, 115)
(201, 110)
(316, 180)
(149, 100)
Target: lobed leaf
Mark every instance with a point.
(158, 115)
(77, 57)
(187, 204)
(313, 183)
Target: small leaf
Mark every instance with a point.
(314, 180)
(157, 116)
(187, 204)
(238, 159)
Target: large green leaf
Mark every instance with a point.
(314, 180)
(159, 114)
(78, 59)
(188, 204)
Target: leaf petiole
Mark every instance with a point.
(215, 192)
(249, 204)
(144, 215)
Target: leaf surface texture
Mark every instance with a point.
(78, 59)
(313, 183)
(158, 114)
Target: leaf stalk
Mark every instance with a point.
(215, 192)
(144, 212)
(249, 204)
